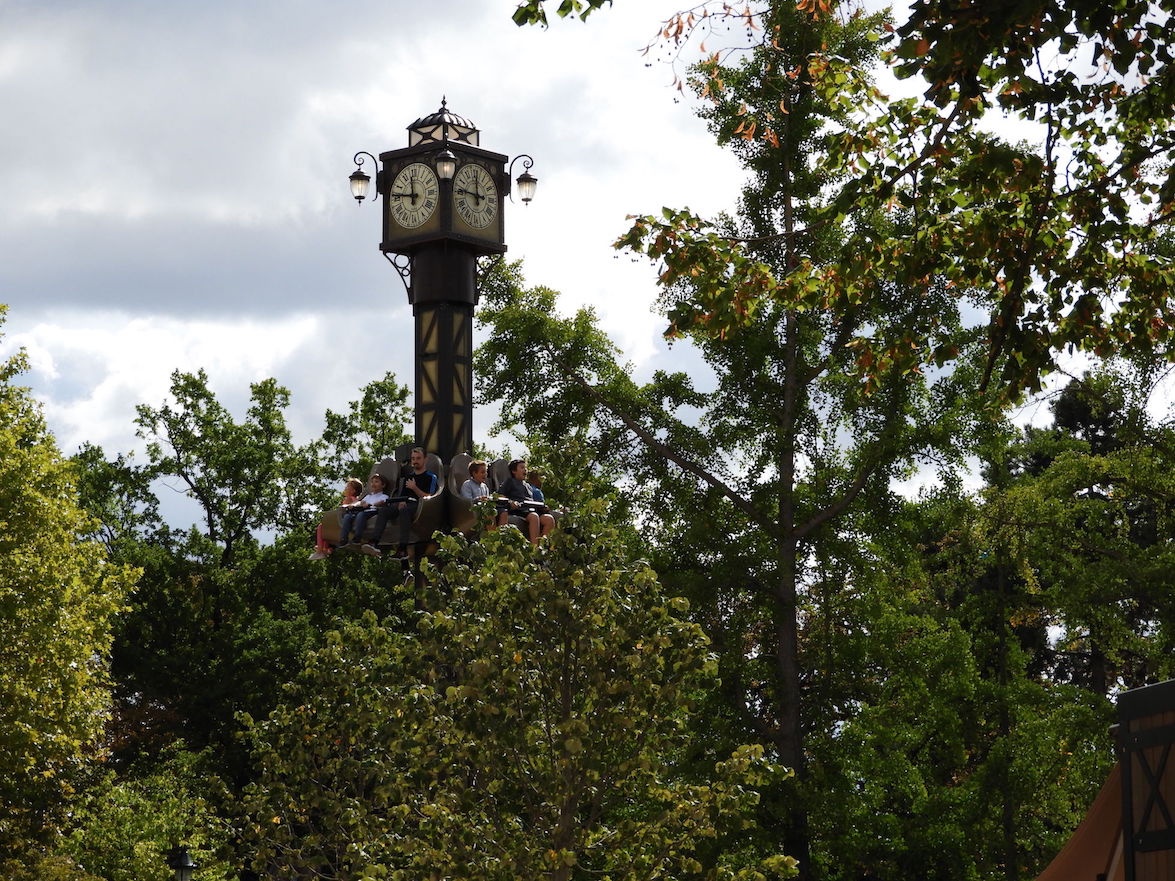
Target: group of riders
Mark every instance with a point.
(519, 496)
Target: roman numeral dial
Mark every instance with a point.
(475, 196)
(414, 196)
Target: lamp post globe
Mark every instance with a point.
(527, 183)
(359, 184)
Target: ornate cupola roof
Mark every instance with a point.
(443, 126)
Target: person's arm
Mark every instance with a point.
(430, 484)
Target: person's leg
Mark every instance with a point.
(321, 548)
(348, 521)
(546, 524)
(361, 524)
(532, 527)
(381, 523)
(405, 517)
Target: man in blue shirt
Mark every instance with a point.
(420, 483)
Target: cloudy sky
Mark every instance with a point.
(174, 182)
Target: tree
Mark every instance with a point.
(117, 494)
(1062, 240)
(125, 825)
(221, 618)
(879, 243)
(58, 596)
(952, 754)
(530, 725)
(244, 476)
(370, 430)
(793, 437)
(985, 663)
(533, 12)
(1091, 498)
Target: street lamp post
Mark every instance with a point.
(442, 210)
(180, 862)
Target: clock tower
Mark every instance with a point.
(442, 210)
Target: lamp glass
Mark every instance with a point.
(359, 184)
(446, 164)
(527, 183)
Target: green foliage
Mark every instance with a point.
(220, 618)
(125, 827)
(1086, 510)
(953, 757)
(370, 430)
(895, 276)
(528, 726)
(244, 476)
(534, 12)
(118, 496)
(1060, 243)
(744, 493)
(58, 595)
(201, 644)
(46, 867)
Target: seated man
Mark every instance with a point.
(418, 484)
(520, 496)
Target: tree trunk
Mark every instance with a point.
(790, 731)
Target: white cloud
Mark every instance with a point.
(176, 197)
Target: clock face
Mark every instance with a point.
(475, 196)
(414, 195)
